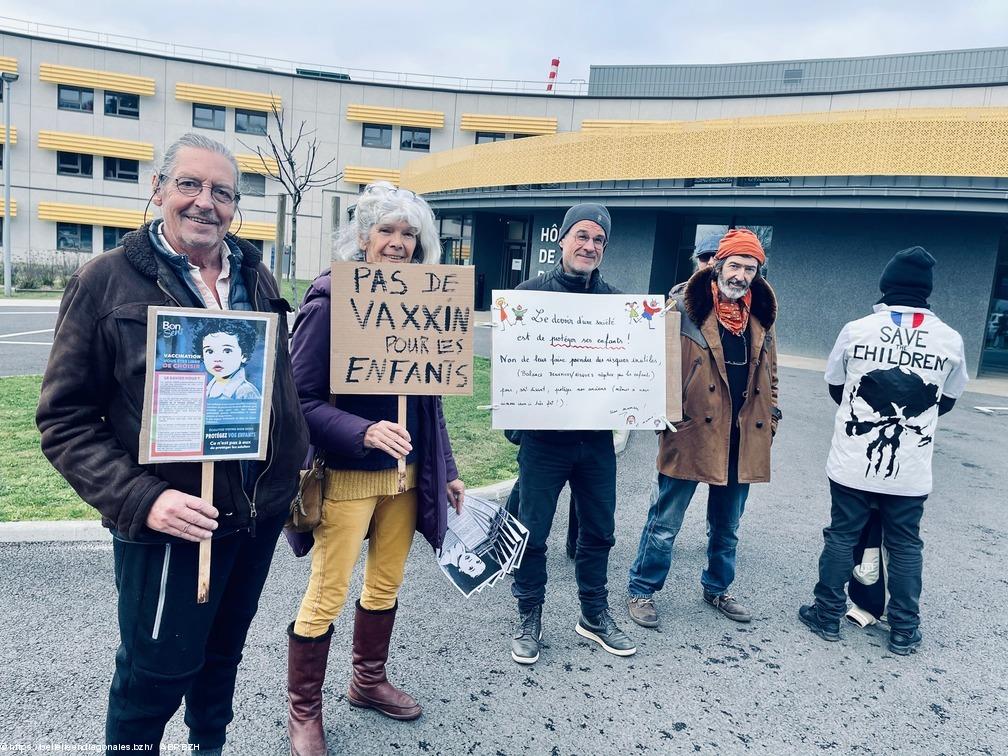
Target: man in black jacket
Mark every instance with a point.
(90, 413)
(586, 459)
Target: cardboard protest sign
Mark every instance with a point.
(401, 329)
(208, 385)
(577, 362)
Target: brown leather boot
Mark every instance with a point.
(369, 687)
(306, 668)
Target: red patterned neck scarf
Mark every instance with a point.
(733, 314)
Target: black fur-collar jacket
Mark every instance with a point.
(91, 406)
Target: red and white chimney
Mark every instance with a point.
(551, 78)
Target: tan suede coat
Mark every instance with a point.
(698, 450)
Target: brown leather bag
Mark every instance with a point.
(306, 507)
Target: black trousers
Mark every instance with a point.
(901, 516)
(543, 469)
(572, 524)
(173, 648)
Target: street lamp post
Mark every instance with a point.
(8, 79)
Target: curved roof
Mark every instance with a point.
(913, 142)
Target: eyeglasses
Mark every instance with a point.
(191, 187)
(582, 238)
(705, 257)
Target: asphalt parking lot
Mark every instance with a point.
(699, 684)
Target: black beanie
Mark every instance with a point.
(907, 278)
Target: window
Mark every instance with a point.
(74, 164)
(122, 169)
(122, 105)
(250, 122)
(208, 117)
(112, 237)
(74, 236)
(257, 243)
(252, 185)
(521, 136)
(485, 137)
(377, 135)
(75, 98)
(1, 156)
(415, 138)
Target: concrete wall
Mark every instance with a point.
(825, 269)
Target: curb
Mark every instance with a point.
(91, 530)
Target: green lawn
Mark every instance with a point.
(483, 455)
(30, 489)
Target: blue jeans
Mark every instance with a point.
(725, 505)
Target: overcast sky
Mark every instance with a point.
(515, 39)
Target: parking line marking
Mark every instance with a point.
(35, 343)
(26, 333)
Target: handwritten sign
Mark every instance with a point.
(583, 362)
(208, 385)
(401, 329)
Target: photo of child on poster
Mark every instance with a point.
(208, 374)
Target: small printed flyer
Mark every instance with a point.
(208, 385)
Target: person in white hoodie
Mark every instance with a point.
(892, 373)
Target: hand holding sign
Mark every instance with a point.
(181, 515)
(391, 438)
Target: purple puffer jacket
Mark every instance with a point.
(343, 432)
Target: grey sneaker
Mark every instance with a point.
(728, 606)
(642, 611)
(526, 639)
(604, 631)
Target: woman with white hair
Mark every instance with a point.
(362, 440)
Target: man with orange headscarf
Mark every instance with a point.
(730, 414)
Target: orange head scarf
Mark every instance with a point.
(733, 314)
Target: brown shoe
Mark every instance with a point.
(642, 611)
(369, 687)
(306, 668)
(728, 606)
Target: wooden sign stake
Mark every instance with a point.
(401, 462)
(203, 577)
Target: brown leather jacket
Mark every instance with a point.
(92, 396)
(698, 450)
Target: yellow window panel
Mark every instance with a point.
(357, 174)
(255, 164)
(92, 145)
(107, 80)
(508, 124)
(228, 98)
(432, 119)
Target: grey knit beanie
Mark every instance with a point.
(586, 211)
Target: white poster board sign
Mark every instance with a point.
(582, 362)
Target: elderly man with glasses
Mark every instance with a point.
(730, 414)
(89, 414)
(548, 459)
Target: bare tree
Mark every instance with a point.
(299, 170)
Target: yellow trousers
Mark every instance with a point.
(338, 538)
